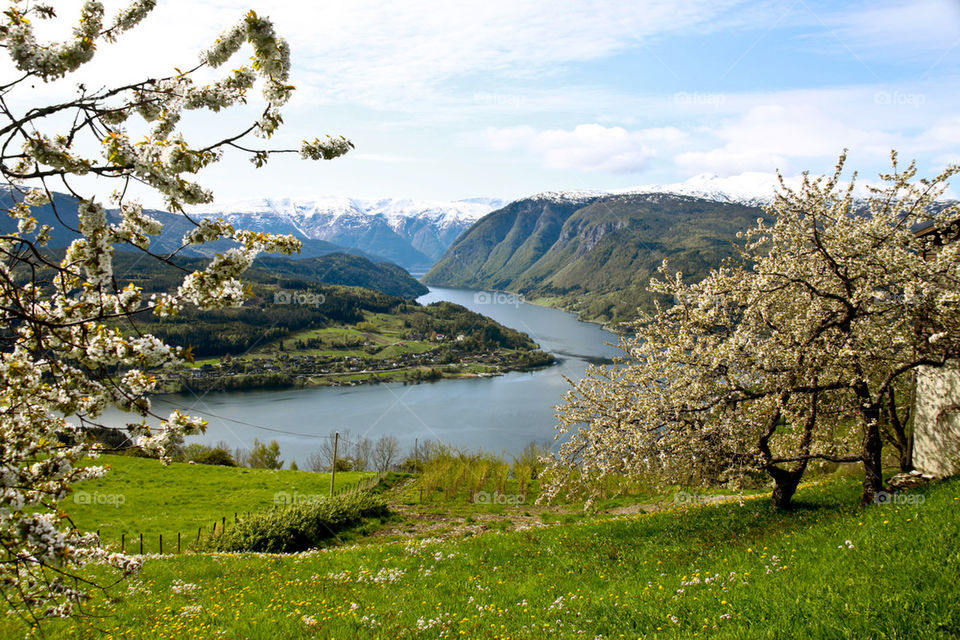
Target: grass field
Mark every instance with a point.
(828, 569)
(139, 495)
(383, 330)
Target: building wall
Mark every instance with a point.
(936, 427)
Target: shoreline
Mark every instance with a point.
(299, 381)
(543, 301)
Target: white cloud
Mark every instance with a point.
(896, 28)
(775, 135)
(437, 68)
(791, 131)
(374, 50)
(380, 53)
(944, 134)
(586, 147)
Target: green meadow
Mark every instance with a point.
(139, 495)
(730, 569)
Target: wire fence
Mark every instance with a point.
(180, 541)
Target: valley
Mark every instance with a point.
(429, 320)
(493, 413)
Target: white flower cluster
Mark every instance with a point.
(363, 575)
(54, 60)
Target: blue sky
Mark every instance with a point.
(501, 98)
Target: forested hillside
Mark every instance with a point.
(593, 254)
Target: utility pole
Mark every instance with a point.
(333, 467)
(416, 465)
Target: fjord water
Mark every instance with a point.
(499, 414)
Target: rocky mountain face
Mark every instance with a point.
(594, 253)
(411, 233)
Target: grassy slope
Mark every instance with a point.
(722, 571)
(139, 495)
(389, 331)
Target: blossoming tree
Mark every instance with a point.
(67, 352)
(794, 353)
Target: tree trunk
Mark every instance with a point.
(872, 459)
(906, 456)
(901, 439)
(785, 484)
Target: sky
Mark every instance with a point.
(507, 98)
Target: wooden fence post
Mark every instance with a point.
(333, 466)
(178, 542)
(141, 543)
(161, 544)
(123, 542)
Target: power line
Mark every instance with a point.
(247, 424)
(260, 426)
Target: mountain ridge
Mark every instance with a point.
(593, 253)
(411, 233)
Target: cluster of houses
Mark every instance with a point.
(331, 367)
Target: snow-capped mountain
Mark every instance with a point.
(750, 188)
(412, 233)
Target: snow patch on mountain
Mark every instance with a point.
(750, 188)
(393, 209)
(413, 233)
(570, 195)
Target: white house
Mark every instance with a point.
(936, 422)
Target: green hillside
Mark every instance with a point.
(593, 256)
(828, 569)
(333, 269)
(139, 495)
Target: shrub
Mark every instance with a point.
(192, 450)
(265, 456)
(299, 526)
(215, 456)
(346, 464)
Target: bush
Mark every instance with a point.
(216, 456)
(194, 449)
(115, 439)
(346, 464)
(203, 454)
(265, 456)
(299, 526)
